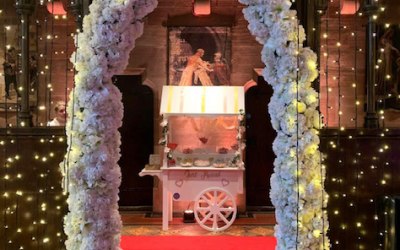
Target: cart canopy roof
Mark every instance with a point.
(202, 100)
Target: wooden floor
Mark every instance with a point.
(251, 224)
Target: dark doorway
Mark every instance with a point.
(259, 138)
(136, 141)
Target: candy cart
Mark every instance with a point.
(202, 130)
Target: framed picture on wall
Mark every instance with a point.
(199, 56)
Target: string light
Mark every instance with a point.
(20, 206)
(360, 226)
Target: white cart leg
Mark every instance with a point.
(165, 205)
(170, 206)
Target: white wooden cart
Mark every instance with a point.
(203, 152)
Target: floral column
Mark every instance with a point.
(91, 173)
(297, 185)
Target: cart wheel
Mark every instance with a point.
(215, 209)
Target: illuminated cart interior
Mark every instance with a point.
(202, 130)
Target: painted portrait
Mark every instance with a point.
(199, 56)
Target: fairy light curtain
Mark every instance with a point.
(343, 72)
(55, 74)
(343, 98)
(32, 202)
(50, 71)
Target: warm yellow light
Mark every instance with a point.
(311, 64)
(316, 233)
(311, 149)
(300, 106)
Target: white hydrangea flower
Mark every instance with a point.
(290, 70)
(95, 109)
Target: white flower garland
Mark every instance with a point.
(237, 160)
(95, 113)
(297, 189)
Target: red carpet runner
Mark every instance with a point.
(197, 243)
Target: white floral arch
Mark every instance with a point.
(92, 177)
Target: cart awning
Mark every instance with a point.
(202, 100)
